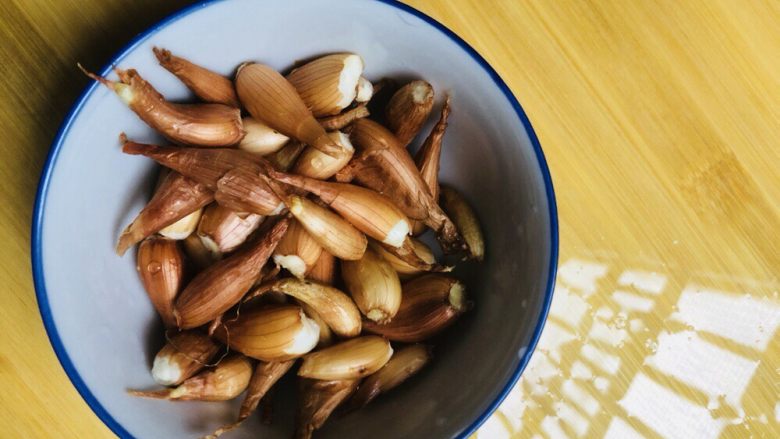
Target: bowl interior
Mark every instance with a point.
(100, 320)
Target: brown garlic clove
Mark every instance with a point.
(326, 334)
(314, 164)
(182, 228)
(221, 230)
(328, 84)
(207, 85)
(403, 267)
(435, 287)
(354, 358)
(284, 159)
(211, 125)
(374, 286)
(160, 266)
(318, 399)
(466, 221)
(298, 251)
(219, 287)
(408, 110)
(199, 257)
(184, 355)
(244, 189)
(324, 270)
(334, 234)
(428, 158)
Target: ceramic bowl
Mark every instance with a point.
(104, 329)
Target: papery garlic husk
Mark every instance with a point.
(184, 355)
(297, 251)
(284, 159)
(346, 117)
(333, 233)
(260, 138)
(314, 164)
(332, 305)
(326, 334)
(224, 382)
(429, 156)
(199, 257)
(182, 228)
(175, 198)
(204, 165)
(221, 230)
(370, 212)
(318, 399)
(328, 84)
(385, 166)
(365, 90)
(324, 270)
(403, 364)
(219, 287)
(354, 358)
(435, 287)
(405, 268)
(160, 266)
(207, 85)
(211, 125)
(407, 253)
(408, 110)
(465, 219)
(273, 100)
(270, 333)
(374, 286)
(264, 377)
(245, 189)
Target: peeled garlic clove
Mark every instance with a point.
(244, 189)
(328, 84)
(224, 382)
(374, 286)
(402, 365)
(332, 305)
(365, 90)
(355, 358)
(183, 356)
(346, 117)
(182, 228)
(428, 158)
(314, 164)
(318, 399)
(324, 270)
(188, 124)
(221, 230)
(214, 290)
(200, 256)
(273, 100)
(263, 378)
(465, 219)
(385, 166)
(326, 334)
(406, 268)
(408, 110)
(207, 85)
(175, 198)
(334, 234)
(297, 251)
(260, 138)
(370, 212)
(159, 264)
(271, 333)
(434, 287)
(285, 158)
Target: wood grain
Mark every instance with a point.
(660, 122)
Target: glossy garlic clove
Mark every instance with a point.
(408, 110)
(404, 363)
(298, 251)
(160, 266)
(374, 286)
(404, 268)
(324, 270)
(314, 164)
(466, 221)
(334, 234)
(328, 84)
(355, 358)
(184, 355)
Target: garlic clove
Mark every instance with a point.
(183, 356)
(355, 358)
(297, 251)
(324, 270)
(328, 84)
(374, 286)
(224, 382)
(285, 158)
(434, 287)
(221, 230)
(182, 228)
(318, 399)
(365, 90)
(198, 254)
(466, 221)
(176, 197)
(260, 138)
(207, 85)
(219, 287)
(244, 189)
(326, 334)
(333, 233)
(314, 164)
(273, 100)
(211, 125)
(405, 268)
(408, 110)
(160, 266)
(429, 156)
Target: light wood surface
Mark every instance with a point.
(660, 121)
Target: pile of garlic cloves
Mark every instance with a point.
(283, 234)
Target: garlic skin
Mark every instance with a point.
(464, 217)
(221, 230)
(182, 357)
(160, 267)
(207, 85)
(260, 138)
(328, 84)
(408, 110)
(318, 399)
(365, 90)
(285, 158)
(182, 228)
(429, 156)
(314, 164)
(198, 255)
(346, 117)
(374, 286)
(333, 233)
(404, 268)
(354, 358)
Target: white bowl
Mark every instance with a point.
(98, 318)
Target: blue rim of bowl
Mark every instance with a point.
(43, 185)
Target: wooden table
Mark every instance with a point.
(660, 121)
